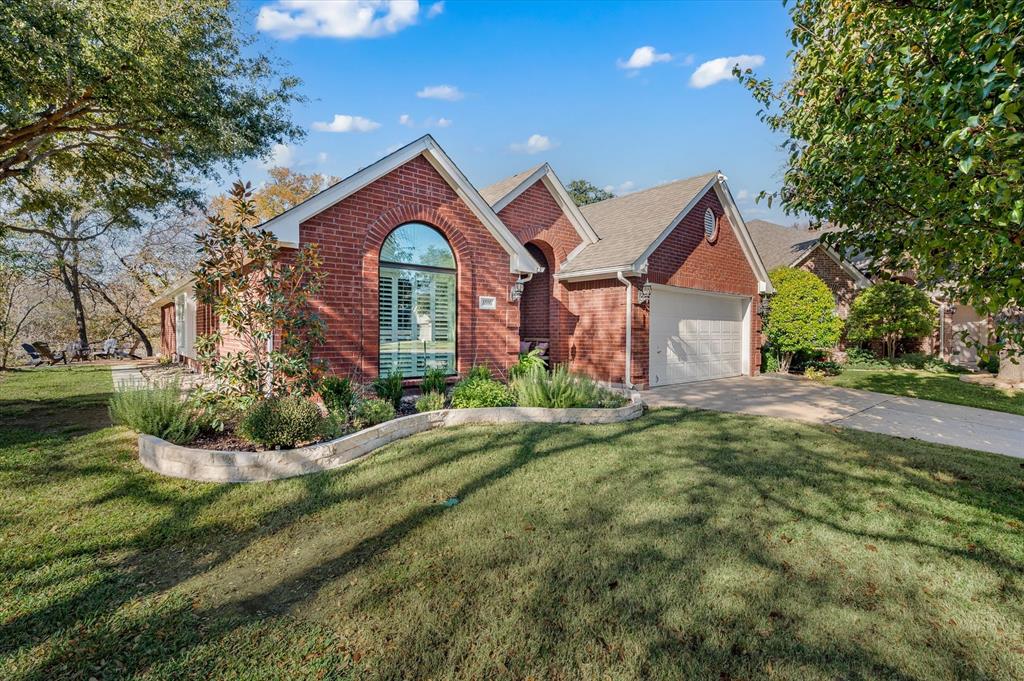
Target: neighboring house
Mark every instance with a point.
(423, 270)
(781, 246)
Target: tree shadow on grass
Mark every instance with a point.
(667, 554)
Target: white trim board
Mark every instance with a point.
(286, 225)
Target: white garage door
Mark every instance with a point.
(695, 337)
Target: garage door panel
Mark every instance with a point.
(695, 336)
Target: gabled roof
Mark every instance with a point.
(286, 225)
(502, 193)
(631, 227)
(782, 246)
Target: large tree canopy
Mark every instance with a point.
(132, 99)
(584, 192)
(903, 124)
(285, 189)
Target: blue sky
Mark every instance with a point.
(602, 90)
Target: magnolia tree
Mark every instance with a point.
(261, 300)
(802, 317)
(890, 312)
(904, 123)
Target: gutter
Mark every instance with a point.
(628, 377)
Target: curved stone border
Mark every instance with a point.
(211, 465)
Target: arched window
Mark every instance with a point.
(710, 225)
(417, 302)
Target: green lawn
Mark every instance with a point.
(941, 387)
(681, 545)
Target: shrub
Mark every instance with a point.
(825, 366)
(562, 389)
(989, 363)
(371, 412)
(889, 312)
(862, 358)
(430, 402)
(480, 372)
(281, 422)
(434, 381)
(390, 388)
(534, 359)
(769, 361)
(802, 315)
(814, 374)
(159, 411)
(338, 394)
(481, 392)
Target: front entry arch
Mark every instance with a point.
(535, 304)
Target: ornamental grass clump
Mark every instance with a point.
(562, 389)
(282, 422)
(160, 410)
(430, 402)
(389, 388)
(435, 380)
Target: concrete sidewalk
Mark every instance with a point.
(802, 400)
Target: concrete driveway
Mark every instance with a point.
(802, 400)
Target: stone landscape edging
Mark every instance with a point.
(209, 465)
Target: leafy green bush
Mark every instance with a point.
(888, 312)
(770, 361)
(390, 388)
(478, 392)
(528, 361)
(802, 315)
(562, 389)
(825, 366)
(282, 422)
(430, 402)
(338, 394)
(481, 372)
(862, 358)
(371, 412)
(159, 411)
(990, 363)
(434, 381)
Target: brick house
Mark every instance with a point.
(781, 246)
(424, 270)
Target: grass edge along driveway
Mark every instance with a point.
(684, 544)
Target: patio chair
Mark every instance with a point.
(44, 351)
(109, 350)
(33, 357)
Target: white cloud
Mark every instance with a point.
(742, 195)
(717, 70)
(440, 122)
(280, 155)
(626, 187)
(405, 120)
(534, 145)
(290, 19)
(446, 92)
(643, 57)
(343, 123)
(321, 157)
(435, 9)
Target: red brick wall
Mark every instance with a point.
(536, 218)
(168, 339)
(350, 235)
(535, 304)
(688, 260)
(842, 285)
(597, 334)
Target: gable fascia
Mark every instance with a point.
(721, 189)
(286, 225)
(859, 280)
(565, 203)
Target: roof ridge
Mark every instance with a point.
(654, 187)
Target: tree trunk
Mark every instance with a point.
(131, 322)
(890, 347)
(1011, 371)
(72, 283)
(785, 359)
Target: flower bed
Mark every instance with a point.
(191, 463)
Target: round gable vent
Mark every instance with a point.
(710, 225)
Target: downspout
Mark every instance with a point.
(942, 331)
(628, 378)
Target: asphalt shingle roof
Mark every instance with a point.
(628, 224)
(493, 193)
